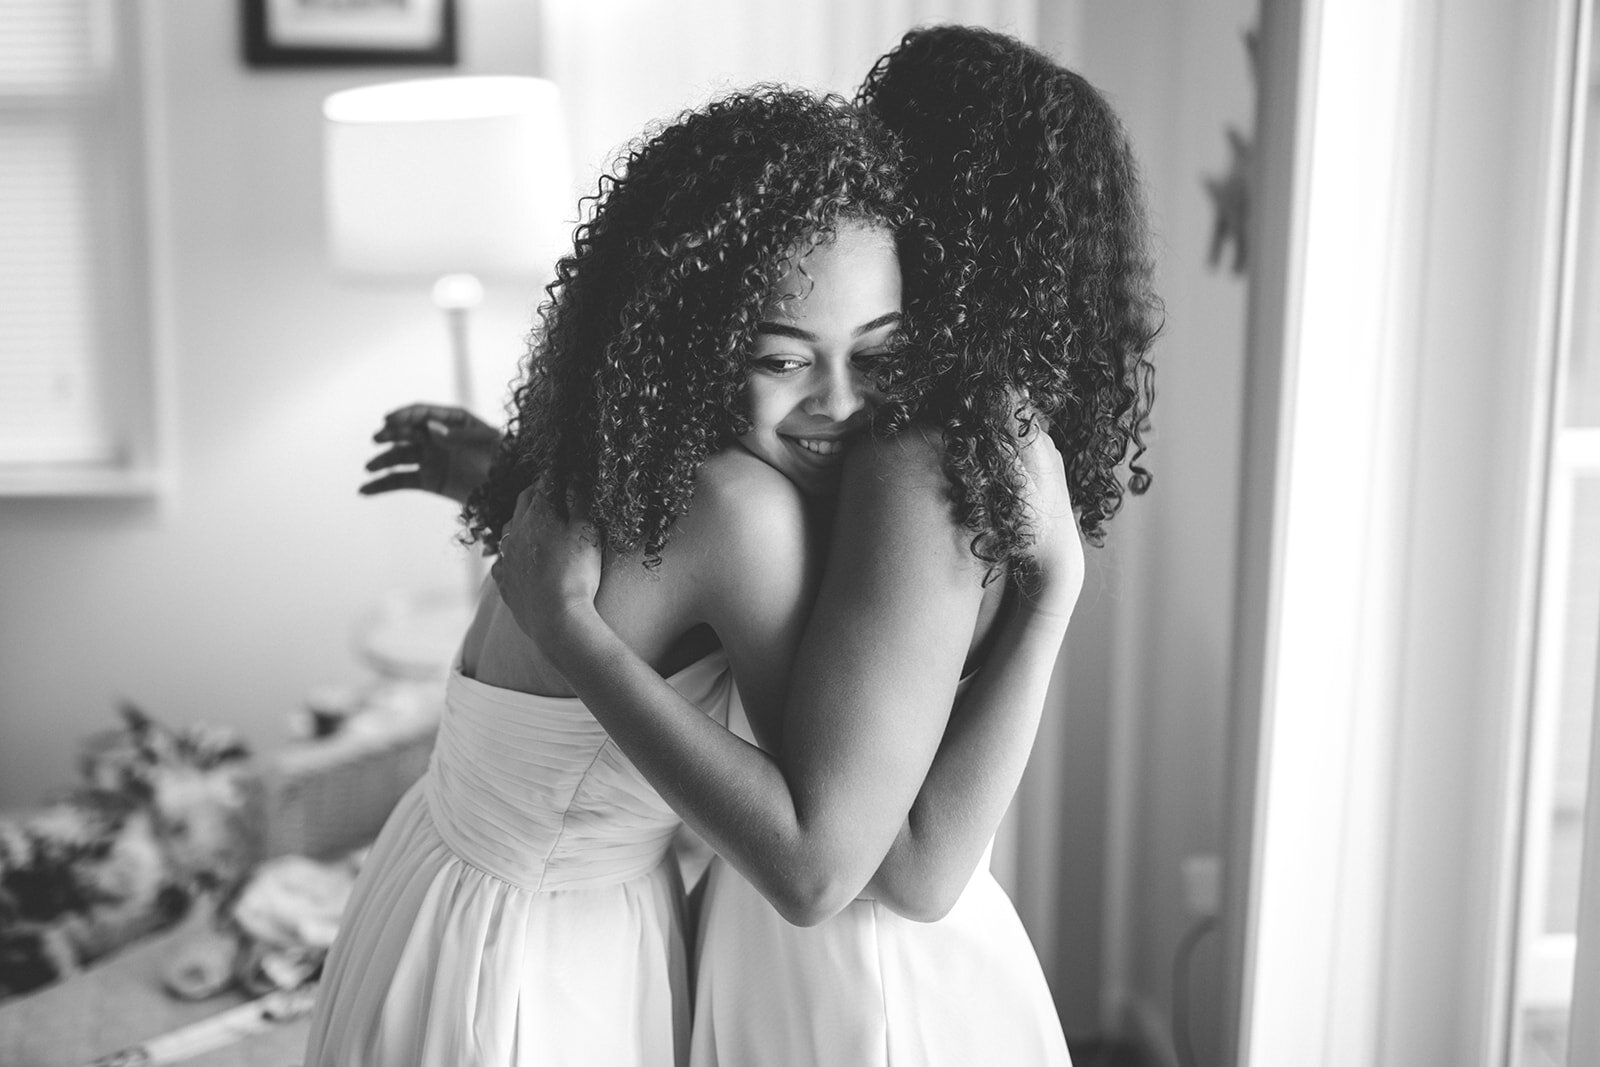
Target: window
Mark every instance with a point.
(76, 373)
(1564, 688)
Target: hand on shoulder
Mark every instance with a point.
(548, 566)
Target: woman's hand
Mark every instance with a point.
(1056, 576)
(435, 448)
(548, 567)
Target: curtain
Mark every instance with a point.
(622, 64)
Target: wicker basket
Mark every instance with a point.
(323, 798)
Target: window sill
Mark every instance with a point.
(80, 481)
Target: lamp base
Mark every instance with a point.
(456, 295)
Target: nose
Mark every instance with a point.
(841, 391)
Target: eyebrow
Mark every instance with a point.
(784, 330)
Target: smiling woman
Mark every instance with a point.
(635, 397)
(835, 310)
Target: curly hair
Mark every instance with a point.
(636, 372)
(1040, 286)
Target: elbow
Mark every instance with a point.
(920, 900)
(925, 911)
(805, 913)
(811, 902)
(923, 901)
(921, 892)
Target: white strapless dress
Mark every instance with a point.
(520, 906)
(868, 988)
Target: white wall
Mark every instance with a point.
(230, 598)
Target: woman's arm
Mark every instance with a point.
(992, 729)
(739, 560)
(881, 624)
(867, 708)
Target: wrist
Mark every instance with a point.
(571, 627)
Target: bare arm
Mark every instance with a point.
(739, 561)
(879, 663)
(992, 729)
(866, 713)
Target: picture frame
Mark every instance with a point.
(337, 33)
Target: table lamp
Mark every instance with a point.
(448, 181)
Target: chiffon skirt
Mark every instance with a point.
(443, 963)
(521, 905)
(869, 988)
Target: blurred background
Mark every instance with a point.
(1312, 782)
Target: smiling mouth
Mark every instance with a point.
(819, 447)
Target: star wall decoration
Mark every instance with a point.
(1230, 192)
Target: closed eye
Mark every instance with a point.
(887, 347)
(777, 364)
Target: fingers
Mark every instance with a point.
(413, 421)
(578, 516)
(400, 423)
(410, 479)
(577, 505)
(398, 456)
(524, 501)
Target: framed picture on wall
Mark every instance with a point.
(305, 33)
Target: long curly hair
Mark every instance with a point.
(1041, 288)
(636, 371)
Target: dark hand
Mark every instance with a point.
(548, 567)
(435, 448)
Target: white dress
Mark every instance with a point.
(521, 905)
(868, 988)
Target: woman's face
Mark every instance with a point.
(807, 394)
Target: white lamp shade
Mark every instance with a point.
(448, 175)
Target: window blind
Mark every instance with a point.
(59, 76)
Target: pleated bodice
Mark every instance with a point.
(531, 789)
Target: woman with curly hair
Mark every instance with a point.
(520, 905)
(1031, 309)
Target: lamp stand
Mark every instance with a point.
(456, 295)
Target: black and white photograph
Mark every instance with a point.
(799, 533)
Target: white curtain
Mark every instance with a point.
(622, 64)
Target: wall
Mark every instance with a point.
(1162, 588)
(231, 596)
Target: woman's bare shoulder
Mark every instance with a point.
(742, 554)
(736, 470)
(742, 537)
(740, 499)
